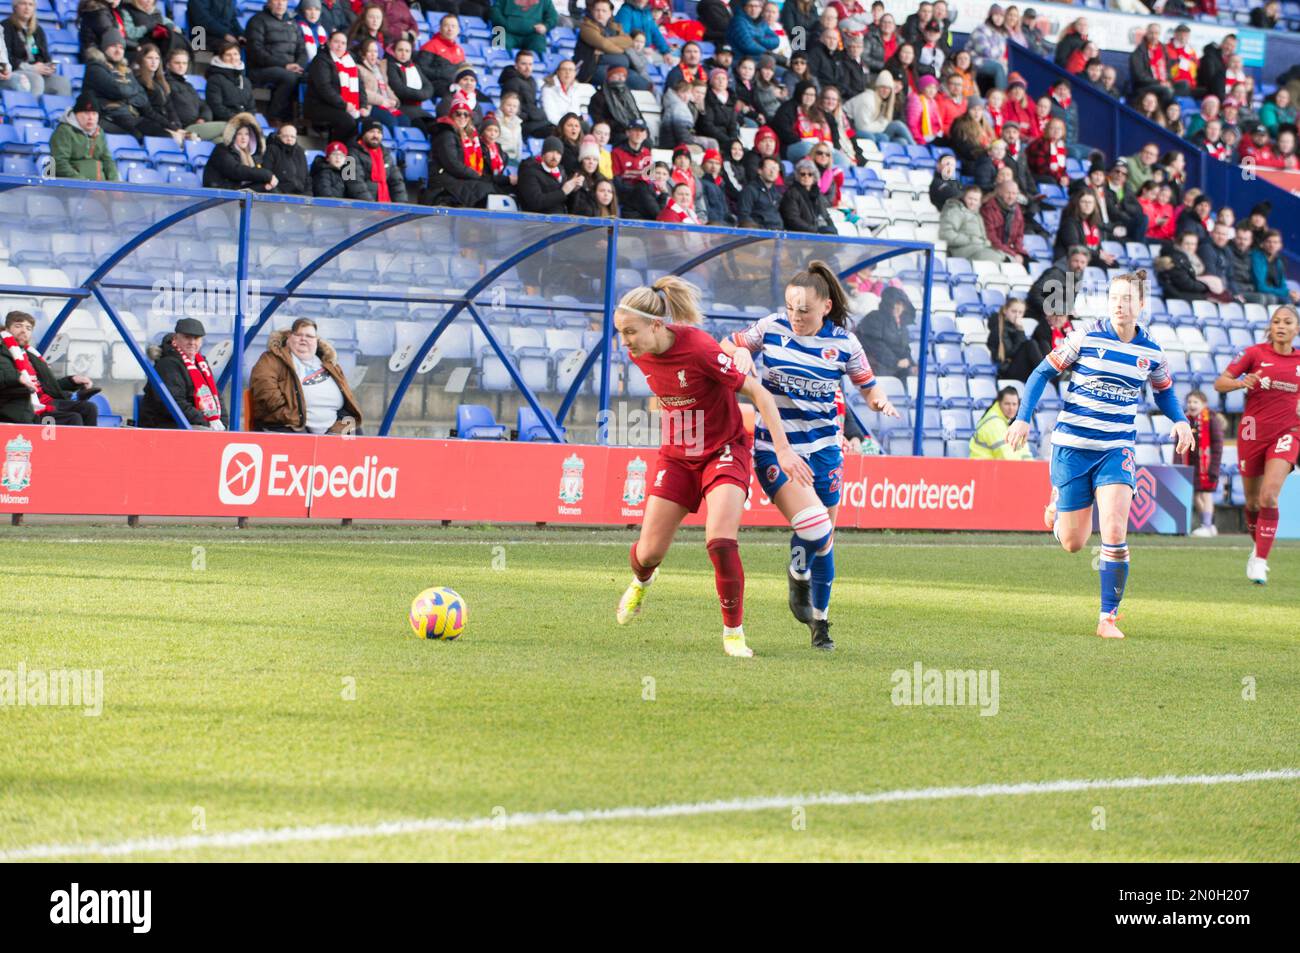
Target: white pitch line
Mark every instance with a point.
(332, 832)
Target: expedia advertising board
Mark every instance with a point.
(112, 471)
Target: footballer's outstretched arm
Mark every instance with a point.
(1018, 432)
(791, 462)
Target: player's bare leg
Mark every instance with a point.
(658, 527)
(726, 507)
(1113, 504)
(1049, 511)
(1262, 497)
(1073, 528)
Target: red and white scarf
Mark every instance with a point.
(1056, 156)
(557, 173)
(1217, 149)
(378, 172)
(1091, 234)
(1156, 57)
(496, 160)
(349, 81)
(41, 402)
(679, 214)
(472, 151)
(996, 117)
(315, 36)
(206, 399)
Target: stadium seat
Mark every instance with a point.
(475, 422)
(529, 426)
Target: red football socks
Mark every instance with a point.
(729, 577)
(642, 573)
(1265, 530)
(1252, 520)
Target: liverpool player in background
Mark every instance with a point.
(704, 453)
(1268, 438)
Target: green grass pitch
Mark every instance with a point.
(267, 679)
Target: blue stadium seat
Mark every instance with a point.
(106, 416)
(529, 426)
(475, 422)
(19, 104)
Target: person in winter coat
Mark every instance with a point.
(95, 18)
(287, 161)
(442, 55)
(883, 334)
(384, 105)
(336, 15)
(29, 52)
(277, 57)
(716, 16)
(315, 33)
(562, 93)
(145, 23)
(526, 23)
(230, 91)
(377, 170)
(945, 185)
(410, 86)
(331, 177)
(602, 44)
(719, 119)
(989, 442)
(79, 147)
(748, 34)
(637, 15)
(874, 113)
(398, 21)
(297, 386)
(519, 79)
(759, 204)
(1205, 457)
(236, 162)
(988, 45)
(1004, 222)
(614, 104)
(458, 169)
(1176, 273)
(1014, 352)
(194, 115)
(219, 19)
(189, 379)
(29, 391)
(961, 226)
(149, 73)
(542, 185)
(335, 95)
(803, 207)
(124, 106)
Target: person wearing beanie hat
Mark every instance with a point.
(327, 175)
(79, 148)
(988, 48)
(588, 149)
(766, 143)
(873, 113)
(614, 103)
(630, 163)
(463, 170)
(719, 119)
(543, 186)
(924, 119)
(376, 169)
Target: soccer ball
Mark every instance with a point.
(438, 613)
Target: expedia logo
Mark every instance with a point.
(242, 478)
(1108, 388)
(241, 474)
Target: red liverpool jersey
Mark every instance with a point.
(1271, 405)
(696, 384)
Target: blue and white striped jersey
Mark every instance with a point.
(803, 376)
(1102, 396)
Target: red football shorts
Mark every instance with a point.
(687, 482)
(1252, 455)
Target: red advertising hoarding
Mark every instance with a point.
(112, 471)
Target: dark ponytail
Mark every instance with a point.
(822, 281)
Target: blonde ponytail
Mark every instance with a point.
(670, 299)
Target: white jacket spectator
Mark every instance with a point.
(563, 94)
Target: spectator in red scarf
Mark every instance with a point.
(335, 97)
(29, 392)
(1205, 457)
(542, 186)
(1183, 62)
(1004, 222)
(1081, 225)
(1148, 68)
(680, 207)
(460, 170)
(1047, 156)
(377, 170)
(1258, 148)
(185, 373)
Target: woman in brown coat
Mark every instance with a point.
(298, 387)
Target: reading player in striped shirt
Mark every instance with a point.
(806, 350)
(1268, 440)
(1092, 443)
(704, 453)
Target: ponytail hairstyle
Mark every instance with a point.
(670, 299)
(825, 284)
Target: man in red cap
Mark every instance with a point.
(333, 177)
